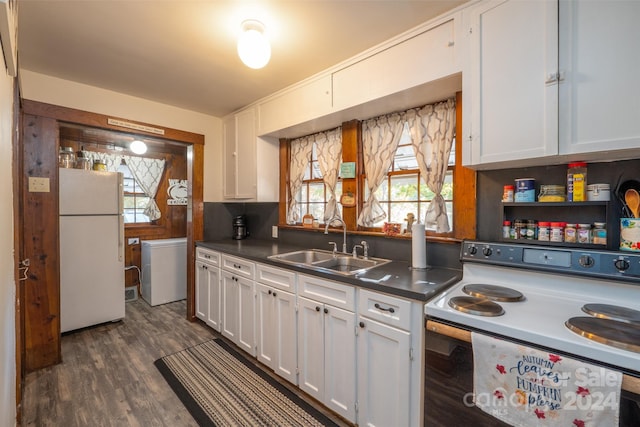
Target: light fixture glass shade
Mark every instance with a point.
(253, 47)
(138, 147)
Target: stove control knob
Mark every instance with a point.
(621, 264)
(487, 251)
(473, 250)
(586, 261)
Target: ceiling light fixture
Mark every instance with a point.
(253, 46)
(138, 147)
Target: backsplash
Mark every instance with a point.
(262, 216)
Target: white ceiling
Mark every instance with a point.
(183, 52)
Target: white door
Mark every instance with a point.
(285, 327)
(311, 347)
(513, 88)
(265, 325)
(214, 303)
(599, 59)
(202, 291)
(246, 315)
(383, 375)
(340, 361)
(230, 303)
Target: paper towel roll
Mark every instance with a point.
(418, 247)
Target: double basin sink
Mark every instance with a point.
(321, 260)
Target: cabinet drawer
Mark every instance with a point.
(238, 266)
(276, 277)
(386, 309)
(208, 256)
(321, 290)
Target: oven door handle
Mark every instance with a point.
(629, 383)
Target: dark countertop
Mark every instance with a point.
(421, 285)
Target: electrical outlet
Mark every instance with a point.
(274, 231)
(134, 241)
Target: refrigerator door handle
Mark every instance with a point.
(120, 218)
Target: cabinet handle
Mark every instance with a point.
(205, 267)
(379, 307)
(274, 293)
(326, 310)
(269, 292)
(317, 308)
(361, 324)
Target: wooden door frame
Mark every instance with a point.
(195, 165)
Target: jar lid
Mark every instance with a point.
(66, 149)
(509, 187)
(556, 224)
(570, 224)
(578, 165)
(543, 224)
(584, 225)
(506, 222)
(598, 187)
(599, 224)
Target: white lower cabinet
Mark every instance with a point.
(208, 287)
(390, 374)
(238, 302)
(276, 330)
(326, 355)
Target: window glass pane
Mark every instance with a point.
(317, 210)
(425, 193)
(405, 158)
(399, 212)
(382, 193)
(316, 192)
(447, 186)
(450, 213)
(452, 155)
(404, 187)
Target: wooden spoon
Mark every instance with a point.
(632, 198)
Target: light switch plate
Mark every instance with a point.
(274, 231)
(133, 241)
(39, 185)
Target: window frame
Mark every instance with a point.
(135, 195)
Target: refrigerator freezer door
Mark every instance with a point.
(84, 192)
(91, 271)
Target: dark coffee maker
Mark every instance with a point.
(240, 227)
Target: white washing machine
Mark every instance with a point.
(164, 270)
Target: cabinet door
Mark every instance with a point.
(202, 291)
(600, 89)
(240, 156)
(246, 315)
(265, 321)
(311, 347)
(285, 327)
(340, 361)
(514, 92)
(214, 303)
(230, 304)
(383, 374)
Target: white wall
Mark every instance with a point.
(65, 93)
(7, 281)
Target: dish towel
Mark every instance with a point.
(523, 386)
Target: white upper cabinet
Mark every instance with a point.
(240, 155)
(304, 102)
(425, 57)
(600, 88)
(549, 82)
(510, 87)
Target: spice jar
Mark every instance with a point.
(577, 182)
(599, 234)
(99, 165)
(520, 229)
(570, 233)
(507, 193)
(543, 231)
(532, 231)
(506, 229)
(556, 232)
(584, 233)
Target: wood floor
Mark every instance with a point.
(108, 378)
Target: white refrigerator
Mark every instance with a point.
(91, 248)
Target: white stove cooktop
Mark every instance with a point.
(550, 300)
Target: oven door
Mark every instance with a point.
(449, 383)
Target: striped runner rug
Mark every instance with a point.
(220, 387)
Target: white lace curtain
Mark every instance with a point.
(380, 137)
(300, 152)
(432, 128)
(146, 171)
(329, 151)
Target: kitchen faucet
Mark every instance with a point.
(344, 231)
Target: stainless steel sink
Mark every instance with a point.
(321, 260)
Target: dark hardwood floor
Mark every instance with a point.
(107, 377)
